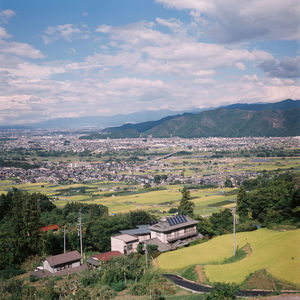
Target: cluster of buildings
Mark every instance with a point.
(141, 170)
(168, 234)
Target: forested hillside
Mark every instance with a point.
(240, 120)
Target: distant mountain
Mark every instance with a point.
(282, 105)
(130, 130)
(238, 120)
(96, 121)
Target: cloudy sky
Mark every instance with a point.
(69, 58)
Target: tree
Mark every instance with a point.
(228, 183)
(186, 206)
(221, 222)
(205, 227)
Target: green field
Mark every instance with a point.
(276, 252)
(160, 201)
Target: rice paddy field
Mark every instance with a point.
(124, 197)
(206, 201)
(277, 252)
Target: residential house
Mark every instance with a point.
(125, 243)
(168, 234)
(142, 232)
(175, 228)
(49, 228)
(96, 260)
(61, 262)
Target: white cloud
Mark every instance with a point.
(67, 32)
(3, 33)
(5, 15)
(243, 20)
(161, 64)
(20, 49)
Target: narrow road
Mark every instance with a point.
(200, 288)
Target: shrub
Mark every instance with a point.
(118, 286)
(223, 291)
(138, 289)
(9, 273)
(33, 278)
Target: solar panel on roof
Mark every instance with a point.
(184, 218)
(170, 221)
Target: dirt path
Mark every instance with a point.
(201, 275)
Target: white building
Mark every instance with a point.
(168, 234)
(125, 243)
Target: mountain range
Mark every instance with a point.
(237, 120)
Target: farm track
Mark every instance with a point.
(200, 288)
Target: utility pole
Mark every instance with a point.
(64, 238)
(146, 256)
(233, 213)
(80, 232)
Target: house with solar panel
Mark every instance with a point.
(168, 234)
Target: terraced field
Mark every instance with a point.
(106, 193)
(276, 252)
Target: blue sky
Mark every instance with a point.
(70, 58)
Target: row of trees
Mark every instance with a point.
(263, 201)
(23, 214)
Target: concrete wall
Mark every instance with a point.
(134, 247)
(47, 266)
(144, 237)
(117, 245)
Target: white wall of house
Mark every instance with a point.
(132, 247)
(176, 233)
(47, 266)
(76, 264)
(144, 237)
(117, 245)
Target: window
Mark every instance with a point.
(129, 247)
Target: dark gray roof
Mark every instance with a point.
(162, 247)
(140, 230)
(63, 258)
(165, 226)
(92, 261)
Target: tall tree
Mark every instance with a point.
(186, 206)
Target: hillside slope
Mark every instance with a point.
(238, 120)
(231, 123)
(276, 252)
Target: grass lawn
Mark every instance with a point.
(276, 252)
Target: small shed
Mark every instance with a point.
(61, 262)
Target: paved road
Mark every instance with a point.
(200, 288)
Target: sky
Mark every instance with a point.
(73, 58)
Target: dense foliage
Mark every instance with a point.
(99, 231)
(270, 200)
(217, 224)
(23, 214)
